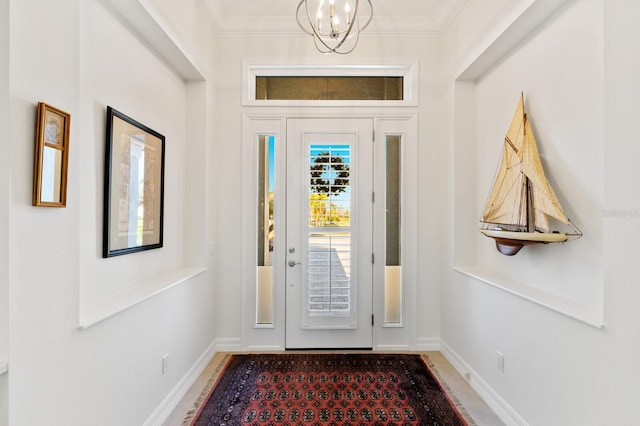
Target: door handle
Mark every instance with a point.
(293, 263)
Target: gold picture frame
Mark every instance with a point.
(51, 157)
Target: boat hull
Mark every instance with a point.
(510, 242)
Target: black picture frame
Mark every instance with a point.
(133, 214)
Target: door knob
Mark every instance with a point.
(293, 263)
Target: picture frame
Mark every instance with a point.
(133, 186)
(51, 157)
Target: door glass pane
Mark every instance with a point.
(329, 237)
(265, 243)
(393, 272)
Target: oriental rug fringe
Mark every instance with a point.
(311, 389)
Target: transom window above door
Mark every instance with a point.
(389, 85)
(329, 88)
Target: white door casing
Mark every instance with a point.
(329, 282)
(268, 337)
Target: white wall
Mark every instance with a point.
(578, 70)
(557, 370)
(299, 50)
(81, 56)
(135, 82)
(4, 205)
(565, 110)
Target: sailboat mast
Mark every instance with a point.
(531, 226)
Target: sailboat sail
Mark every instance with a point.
(521, 199)
(506, 204)
(545, 201)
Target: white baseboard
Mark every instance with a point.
(229, 345)
(482, 388)
(265, 348)
(179, 391)
(428, 344)
(392, 348)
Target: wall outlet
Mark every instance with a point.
(165, 363)
(500, 361)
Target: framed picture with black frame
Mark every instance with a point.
(133, 186)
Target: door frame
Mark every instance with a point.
(261, 337)
(305, 331)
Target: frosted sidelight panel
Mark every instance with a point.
(393, 265)
(265, 243)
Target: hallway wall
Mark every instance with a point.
(299, 50)
(4, 206)
(81, 56)
(577, 70)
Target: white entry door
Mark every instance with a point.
(329, 233)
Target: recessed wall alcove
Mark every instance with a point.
(166, 92)
(566, 113)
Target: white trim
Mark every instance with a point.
(4, 368)
(590, 315)
(428, 344)
(225, 25)
(271, 335)
(144, 19)
(230, 344)
(504, 39)
(104, 309)
(409, 70)
(407, 127)
(171, 401)
(274, 122)
(482, 388)
(265, 348)
(393, 348)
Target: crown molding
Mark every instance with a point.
(252, 26)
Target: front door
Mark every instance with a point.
(329, 231)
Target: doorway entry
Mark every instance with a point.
(329, 233)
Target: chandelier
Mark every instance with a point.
(334, 24)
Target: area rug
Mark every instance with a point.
(351, 389)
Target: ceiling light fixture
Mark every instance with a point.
(333, 24)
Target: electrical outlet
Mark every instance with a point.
(500, 361)
(165, 363)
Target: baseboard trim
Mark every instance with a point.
(266, 348)
(428, 344)
(506, 413)
(229, 345)
(179, 391)
(392, 348)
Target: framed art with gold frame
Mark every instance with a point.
(51, 157)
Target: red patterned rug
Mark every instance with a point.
(326, 390)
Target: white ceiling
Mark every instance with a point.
(254, 17)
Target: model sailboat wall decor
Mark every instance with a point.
(522, 204)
